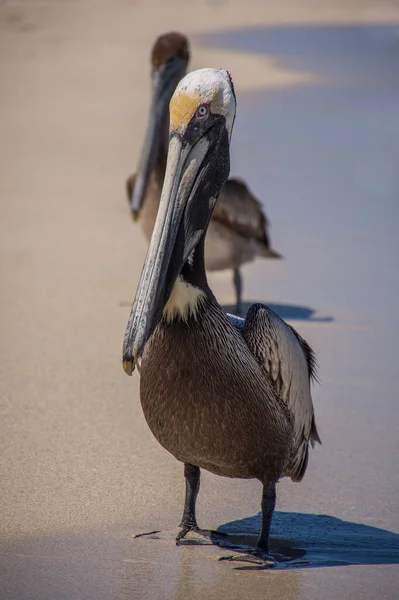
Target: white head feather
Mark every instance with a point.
(212, 87)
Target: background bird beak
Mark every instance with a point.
(164, 82)
(173, 239)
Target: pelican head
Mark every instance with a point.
(169, 60)
(202, 112)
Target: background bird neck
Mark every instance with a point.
(160, 163)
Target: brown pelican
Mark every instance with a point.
(238, 231)
(220, 393)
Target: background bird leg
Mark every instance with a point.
(238, 288)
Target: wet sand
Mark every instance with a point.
(317, 137)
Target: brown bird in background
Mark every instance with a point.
(238, 231)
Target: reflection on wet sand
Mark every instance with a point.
(200, 580)
(110, 564)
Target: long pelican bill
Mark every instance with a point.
(173, 239)
(163, 83)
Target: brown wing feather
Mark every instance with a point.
(290, 364)
(238, 208)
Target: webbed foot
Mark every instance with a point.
(192, 534)
(258, 558)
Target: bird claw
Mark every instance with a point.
(257, 558)
(192, 534)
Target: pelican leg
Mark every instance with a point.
(189, 522)
(237, 279)
(260, 556)
(192, 477)
(268, 505)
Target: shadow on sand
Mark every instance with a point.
(301, 540)
(291, 312)
(333, 50)
(284, 311)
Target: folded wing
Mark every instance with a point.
(290, 364)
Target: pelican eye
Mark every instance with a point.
(202, 111)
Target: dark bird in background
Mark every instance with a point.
(238, 231)
(220, 393)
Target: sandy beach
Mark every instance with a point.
(317, 138)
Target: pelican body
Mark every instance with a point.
(219, 393)
(238, 231)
